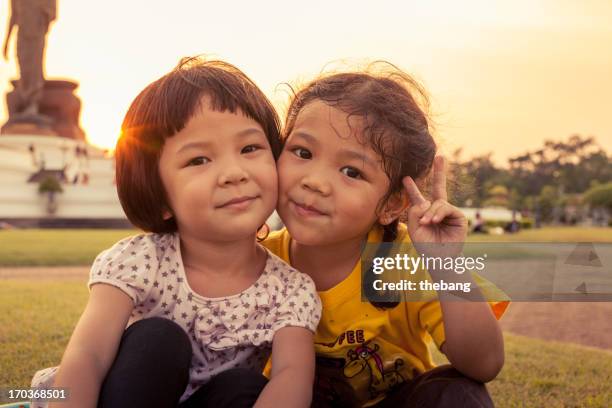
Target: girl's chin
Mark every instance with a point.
(306, 235)
(232, 230)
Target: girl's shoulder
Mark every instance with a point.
(277, 269)
(291, 294)
(133, 262)
(137, 248)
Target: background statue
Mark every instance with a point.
(32, 17)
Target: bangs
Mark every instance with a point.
(164, 107)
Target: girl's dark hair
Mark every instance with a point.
(161, 110)
(393, 108)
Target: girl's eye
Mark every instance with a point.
(198, 161)
(302, 153)
(250, 149)
(351, 172)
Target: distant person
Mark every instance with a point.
(204, 303)
(479, 225)
(513, 226)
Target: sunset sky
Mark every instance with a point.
(503, 76)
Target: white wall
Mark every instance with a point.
(20, 199)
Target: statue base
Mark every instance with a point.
(26, 129)
(59, 111)
(29, 123)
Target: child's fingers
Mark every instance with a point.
(449, 214)
(439, 179)
(415, 212)
(414, 194)
(431, 211)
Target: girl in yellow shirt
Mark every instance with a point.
(354, 144)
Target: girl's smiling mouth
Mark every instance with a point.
(305, 210)
(238, 203)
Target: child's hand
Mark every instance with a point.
(438, 222)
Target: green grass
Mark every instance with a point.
(550, 234)
(540, 373)
(80, 247)
(60, 247)
(517, 250)
(37, 319)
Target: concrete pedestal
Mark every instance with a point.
(58, 112)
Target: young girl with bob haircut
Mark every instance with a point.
(187, 314)
(354, 144)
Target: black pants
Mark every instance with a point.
(151, 370)
(442, 387)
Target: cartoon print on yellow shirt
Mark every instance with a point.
(366, 359)
(361, 364)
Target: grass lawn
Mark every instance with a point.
(550, 234)
(59, 247)
(541, 373)
(80, 247)
(37, 319)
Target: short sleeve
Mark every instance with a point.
(497, 299)
(130, 265)
(301, 306)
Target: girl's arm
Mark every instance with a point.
(473, 341)
(293, 362)
(474, 344)
(93, 346)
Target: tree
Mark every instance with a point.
(600, 196)
(537, 180)
(498, 196)
(571, 165)
(547, 201)
(473, 179)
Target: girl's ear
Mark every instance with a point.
(394, 207)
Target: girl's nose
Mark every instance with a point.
(233, 175)
(316, 184)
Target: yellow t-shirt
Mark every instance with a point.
(362, 351)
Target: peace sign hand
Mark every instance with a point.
(438, 222)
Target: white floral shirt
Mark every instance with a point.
(227, 332)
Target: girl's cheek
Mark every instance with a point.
(271, 179)
(360, 203)
(283, 169)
